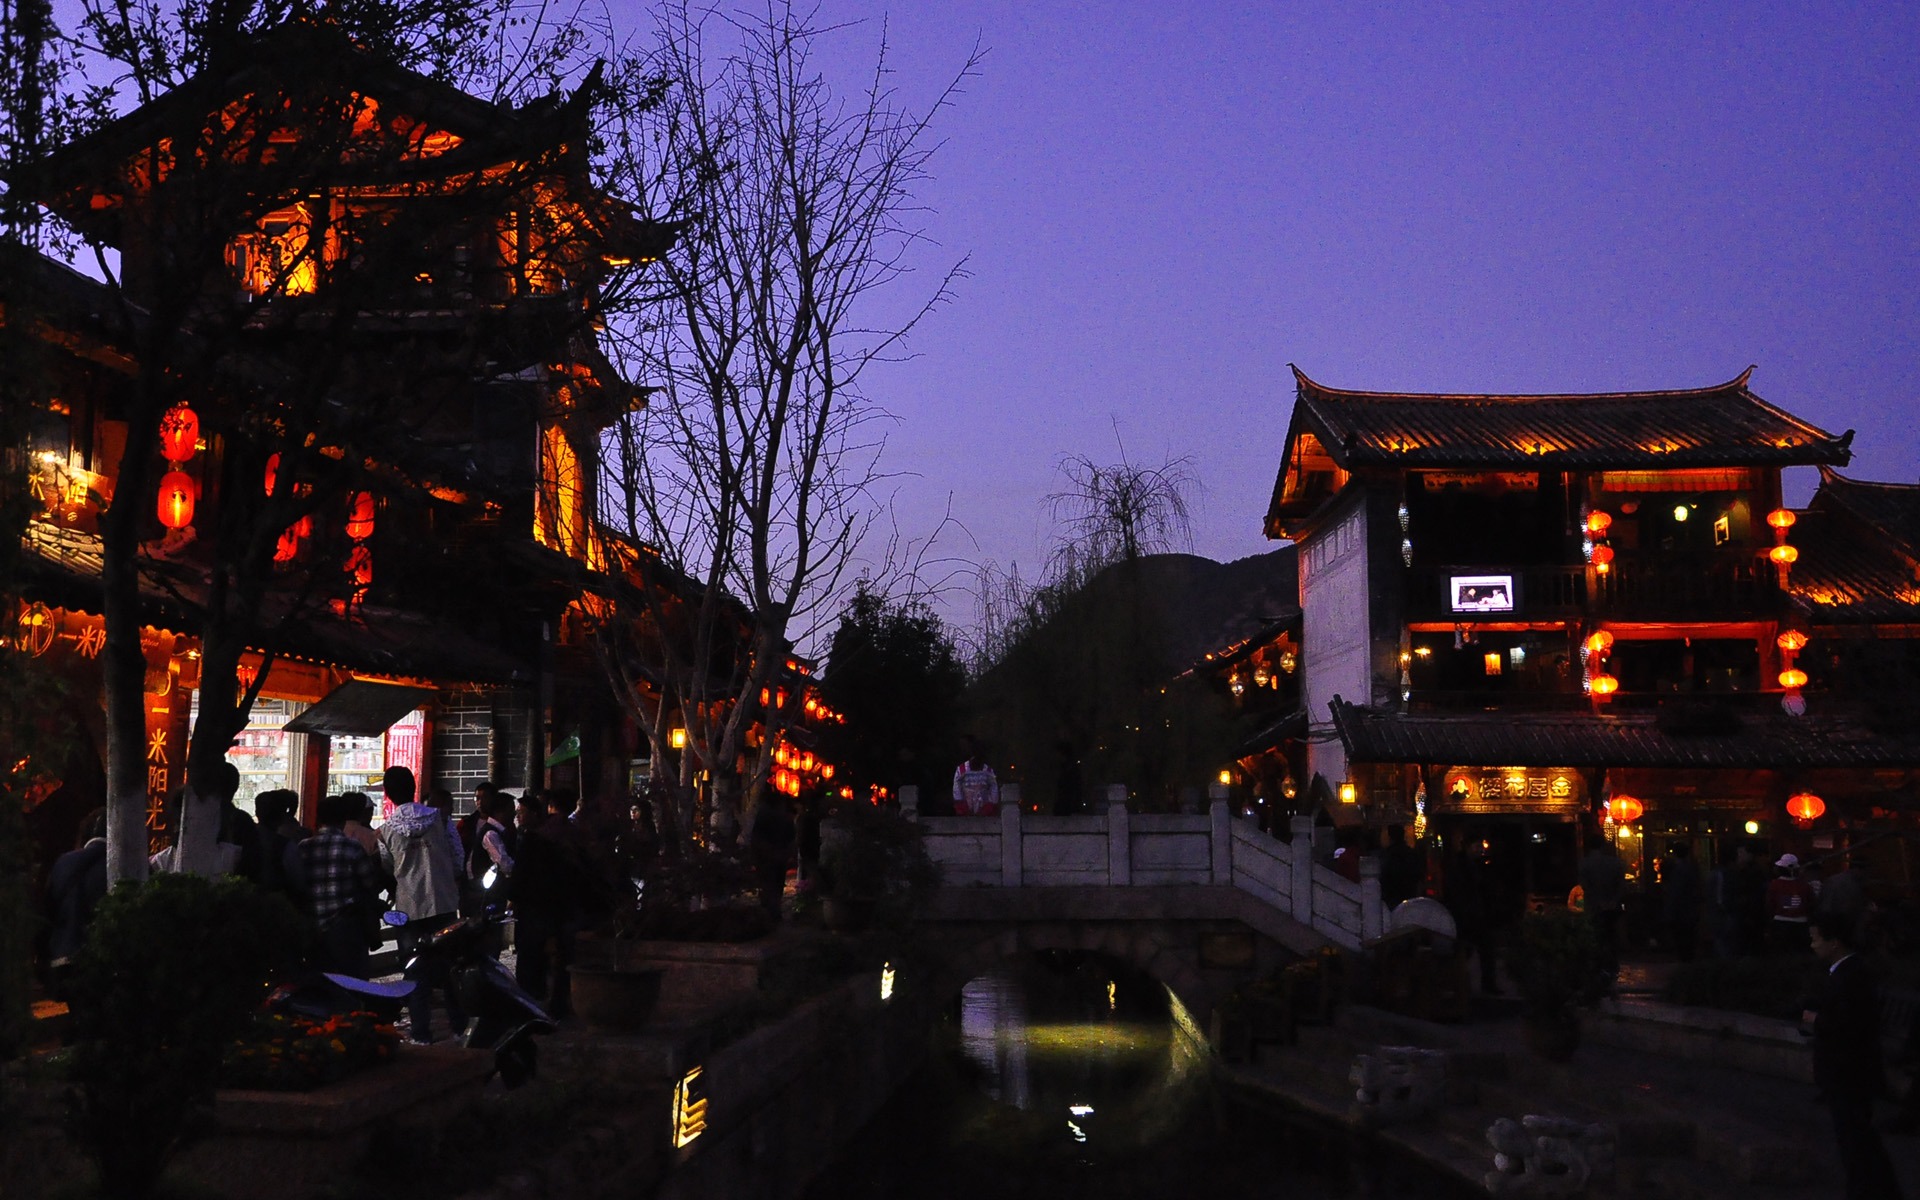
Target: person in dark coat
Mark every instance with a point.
(1680, 899)
(1403, 869)
(76, 883)
(771, 848)
(1845, 1019)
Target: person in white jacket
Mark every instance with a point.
(418, 849)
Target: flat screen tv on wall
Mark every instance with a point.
(1481, 593)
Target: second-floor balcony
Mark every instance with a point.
(1652, 587)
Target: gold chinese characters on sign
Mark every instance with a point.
(1512, 789)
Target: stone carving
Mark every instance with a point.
(1397, 1083)
(1547, 1156)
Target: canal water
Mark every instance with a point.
(1070, 1075)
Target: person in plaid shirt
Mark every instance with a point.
(340, 887)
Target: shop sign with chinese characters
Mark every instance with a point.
(1513, 790)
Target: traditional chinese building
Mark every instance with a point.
(400, 358)
(1519, 611)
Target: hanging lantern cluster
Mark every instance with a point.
(1599, 553)
(793, 766)
(288, 547)
(1594, 653)
(1782, 555)
(179, 441)
(1792, 678)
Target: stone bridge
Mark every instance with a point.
(1200, 902)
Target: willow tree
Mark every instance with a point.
(749, 475)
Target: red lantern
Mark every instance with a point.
(1625, 809)
(273, 471)
(177, 496)
(1599, 642)
(1605, 685)
(360, 566)
(1805, 806)
(1793, 679)
(1783, 555)
(1791, 640)
(1781, 519)
(1602, 555)
(288, 545)
(1598, 522)
(179, 434)
(360, 513)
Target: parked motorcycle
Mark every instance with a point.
(503, 1018)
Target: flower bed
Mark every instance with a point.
(284, 1052)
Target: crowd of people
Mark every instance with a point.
(543, 855)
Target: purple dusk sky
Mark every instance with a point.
(1164, 205)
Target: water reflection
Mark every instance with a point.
(1068, 1076)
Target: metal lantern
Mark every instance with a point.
(177, 497)
(1805, 806)
(179, 434)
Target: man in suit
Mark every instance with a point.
(1845, 1020)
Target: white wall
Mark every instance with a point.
(1334, 635)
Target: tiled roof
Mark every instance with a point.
(1859, 546)
(1721, 426)
(1583, 740)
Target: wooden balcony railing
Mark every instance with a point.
(1694, 589)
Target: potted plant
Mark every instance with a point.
(873, 865)
(1556, 964)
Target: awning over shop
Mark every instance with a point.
(360, 708)
(1755, 741)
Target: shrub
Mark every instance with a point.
(874, 855)
(171, 972)
(1556, 962)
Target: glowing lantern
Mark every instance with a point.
(1680, 512)
(780, 755)
(288, 546)
(1791, 640)
(177, 496)
(1781, 519)
(1793, 679)
(1602, 555)
(1625, 809)
(1783, 555)
(1348, 793)
(677, 738)
(826, 770)
(1805, 806)
(806, 761)
(1599, 642)
(179, 434)
(273, 471)
(1605, 685)
(360, 566)
(1598, 522)
(360, 512)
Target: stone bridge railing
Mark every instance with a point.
(1123, 849)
